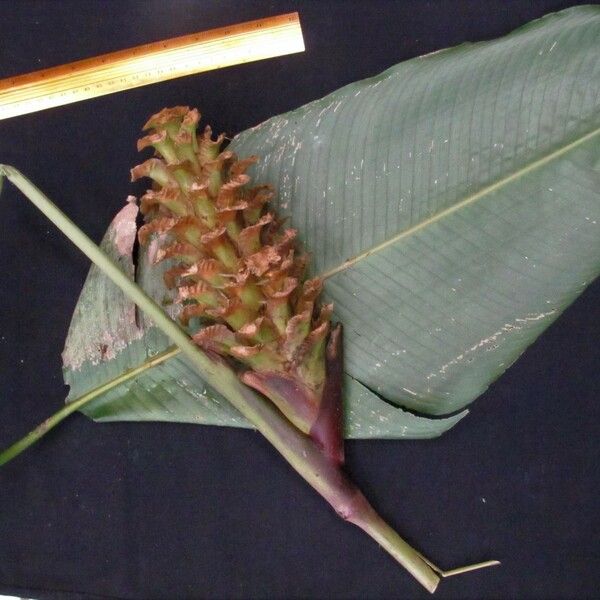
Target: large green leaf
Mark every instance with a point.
(107, 339)
(452, 203)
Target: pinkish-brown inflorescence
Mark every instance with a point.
(236, 266)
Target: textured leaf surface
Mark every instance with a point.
(452, 202)
(106, 339)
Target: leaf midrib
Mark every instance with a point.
(149, 363)
(173, 351)
(469, 200)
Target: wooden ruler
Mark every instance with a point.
(150, 63)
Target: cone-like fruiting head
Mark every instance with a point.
(236, 267)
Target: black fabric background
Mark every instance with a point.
(157, 511)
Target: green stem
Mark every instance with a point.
(298, 449)
(35, 434)
(43, 428)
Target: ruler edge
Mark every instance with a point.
(59, 80)
(36, 77)
(108, 92)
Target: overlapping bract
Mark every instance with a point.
(235, 266)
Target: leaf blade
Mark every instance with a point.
(440, 290)
(433, 140)
(108, 349)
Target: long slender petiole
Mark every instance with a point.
(43, 428)
(298, 449)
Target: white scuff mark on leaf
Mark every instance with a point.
(123, 228)
(489, 343)
(98, 336)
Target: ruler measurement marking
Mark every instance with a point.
(150, 63)
(92, 78)
(157, 74)
(219, 36)
(79, 82)
(127, 63)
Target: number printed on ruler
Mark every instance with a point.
(151, 63)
